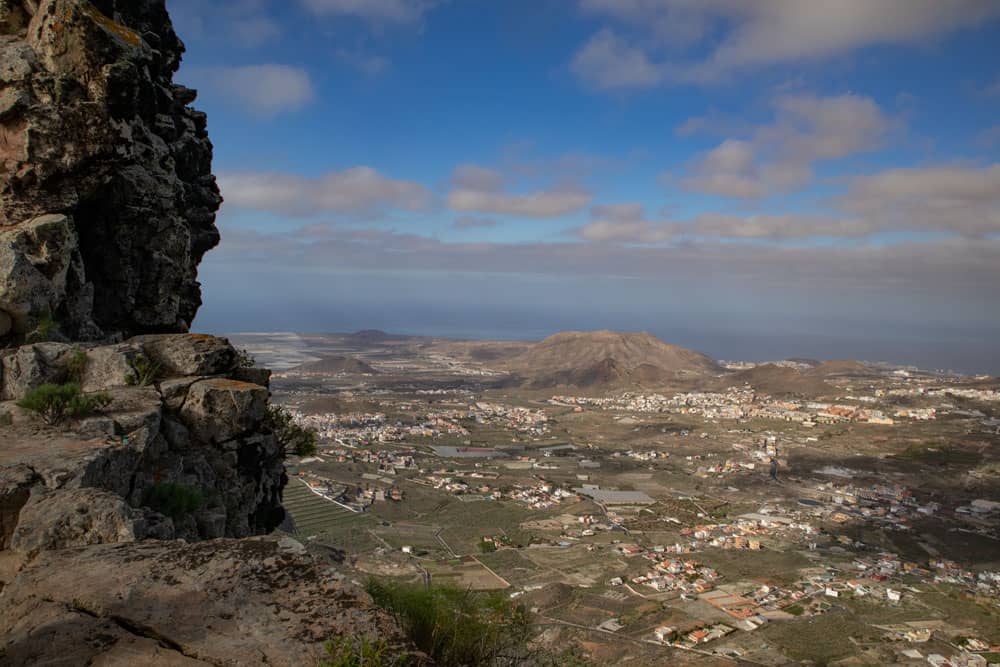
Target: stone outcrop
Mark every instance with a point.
(91, 567)
(107, 200)
(203, 431)
(133, 535)
(258, 601)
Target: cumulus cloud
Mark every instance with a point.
(262, 90)
(379, 11)
(779, 156)
(481, 190)
(627, 224)
(962, 200)
(746, 35)
(623, 223)
(474, 177)
(608, 62)
(942, 267)
(241, 23)
(359, 190)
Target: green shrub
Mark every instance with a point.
(6, 419)
(44, 330)
(144, 372)
(76, 365)
(293, 438)
(174, 500)
(56, 402)
(362, 652)
(457, 627)
(244, 359)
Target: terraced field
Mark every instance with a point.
(314, 515)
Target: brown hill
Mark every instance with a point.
(607, 357)
(335, 365)
(781, 381)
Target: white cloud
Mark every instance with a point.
(480, 189)
(608, 62)
(256, 30)
(869, 272)
(952, 200)
(779, 156)
(263, 90)
(623, 223)
(544, 204)
(240, 23)
(961, 200)
(360, 190)
(474, 177)
(762, 33)
(626, 223)
(379, 11)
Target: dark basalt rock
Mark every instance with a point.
(94, 129)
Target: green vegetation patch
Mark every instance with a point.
(58, 402)
(174, 500)
(144, 372)
(938, 454)
(292, 437)
(457, 627)
(363, 652)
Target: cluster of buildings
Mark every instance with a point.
(532, 422)
(688, 577)
(745, 403)
(540, 496)
(357, 430)
(388, 462)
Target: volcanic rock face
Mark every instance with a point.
(259, 601)
(107, 200)
(91, 482)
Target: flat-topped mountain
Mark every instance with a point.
(592, 358)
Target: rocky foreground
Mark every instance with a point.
(140, 478)
(90, 574)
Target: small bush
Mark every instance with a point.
(457, 627)
(56, 402)
(144, 372)
(362, 652)
(76, 364)
(292, 437)
(244, 359)
(174, 500)
(6, 419)
(44, 331)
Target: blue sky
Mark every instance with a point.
(724, 174)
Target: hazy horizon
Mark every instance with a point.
(756, 180)
(967, 356)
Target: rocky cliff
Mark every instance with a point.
(183, 419)
(107, 200)
(140, 478)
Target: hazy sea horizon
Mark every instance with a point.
(966, 356)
